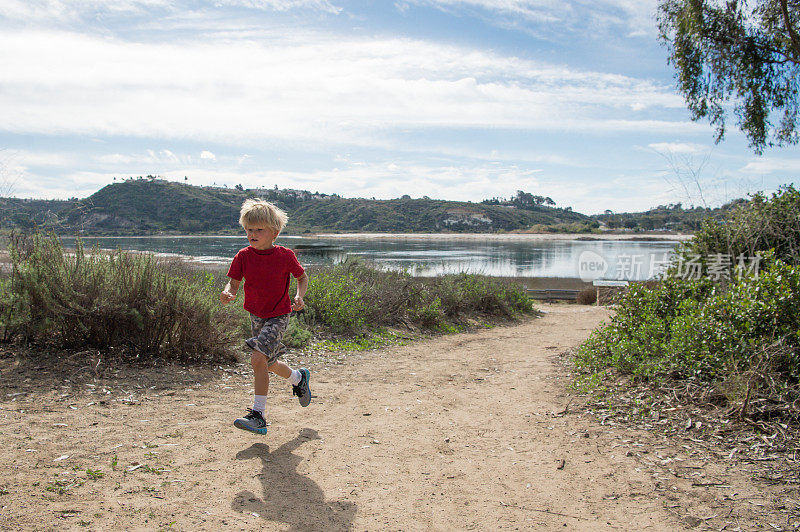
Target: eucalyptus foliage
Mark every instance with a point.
(741, 53)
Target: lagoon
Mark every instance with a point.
(562, 256)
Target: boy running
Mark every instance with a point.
(265, 269)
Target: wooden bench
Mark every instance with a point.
(553, 293)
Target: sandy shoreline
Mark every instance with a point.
(504, 236)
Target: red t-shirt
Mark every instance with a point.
(266, 279)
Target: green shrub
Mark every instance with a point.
(717, 329)
(100, 300)
(701, 330)
(466, 293)
(14, 312)
(337, 298)
(428, 315)
(297, 335)
(354, 298)
(723, 332)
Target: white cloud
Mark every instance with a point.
(595, 196)
(637, 16)
(61, 11)
(146, 162)
(769, 165)
(282, 5)
(541, 11)
(53, 175)
(390, 179)
(206, 83)
(670, 148)
(26, 158)
(294, 87)
(459, 182)
(116, 159)
(166, 155)
(45, 185)
(68, 10)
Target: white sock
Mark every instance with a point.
(295, 377)
(259, 403)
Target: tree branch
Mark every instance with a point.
(792, 33)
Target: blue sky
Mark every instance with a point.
(451, 99)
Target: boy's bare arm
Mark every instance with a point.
(302, 286)
(229, 293)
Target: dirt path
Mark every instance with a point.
(459, 432)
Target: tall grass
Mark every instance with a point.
(100, 300)
(354, 297)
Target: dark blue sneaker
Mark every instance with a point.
(253, 421)
(302, 390)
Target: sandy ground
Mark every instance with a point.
(464, 432)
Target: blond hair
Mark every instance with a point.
(257, 212)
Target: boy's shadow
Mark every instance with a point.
(289, 497)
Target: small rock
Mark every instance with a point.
(692, 521)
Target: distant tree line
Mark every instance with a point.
(671, 217)
(523, 200)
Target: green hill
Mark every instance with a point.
(671, 217)
(29, 213)
(150, 205)
(146, 206)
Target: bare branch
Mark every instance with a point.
(8, 179)
(792, 32)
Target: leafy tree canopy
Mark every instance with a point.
(742, 52)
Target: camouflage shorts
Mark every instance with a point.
(267, 335)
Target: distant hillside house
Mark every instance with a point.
(463, 216)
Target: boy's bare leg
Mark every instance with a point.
(260, 372)
(281, 369)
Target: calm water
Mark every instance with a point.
(513, 258)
